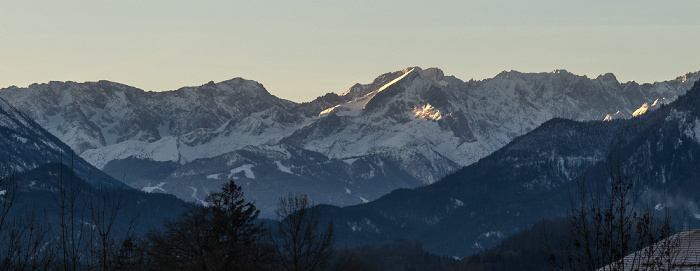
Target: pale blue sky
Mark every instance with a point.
(302, 49)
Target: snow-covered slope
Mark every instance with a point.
(406, 128)
(434, 124)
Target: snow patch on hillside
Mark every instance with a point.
(490, 234)
(365, 225)
(246, 169)
(617, 115)
(162, 150)
(352, 108)
(427, 112)
(643, 109)
(196, 199)
(213, 177)
(349, 161)
(150, 189)
(693, 130)
(283, 168)
(456, 202)
(646, 107)
(20, 138)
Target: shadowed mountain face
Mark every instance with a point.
(529, 179)
(35, 156)
(39, 191)
(405, 129)
(25, 145)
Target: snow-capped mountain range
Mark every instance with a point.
(406, 128)
(533, 178)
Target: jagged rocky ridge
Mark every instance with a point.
(531, 178)
(405, 129)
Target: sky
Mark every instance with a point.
(305, 48)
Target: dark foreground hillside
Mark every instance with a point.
(40, 191)
(529, 180)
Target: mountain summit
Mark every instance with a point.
(404, 129)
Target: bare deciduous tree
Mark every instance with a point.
(8, 191)
(301, 243)
(105, 206)
(22, 236)
(74, 233)
(609, 222)
(78, 235)
(85, 237)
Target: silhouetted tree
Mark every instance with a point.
(22, 235)
(105, 205)
(301, 243)
(610, 222)
(78, 235)
(220, 236)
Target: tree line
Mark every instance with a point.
(88, 228)
(612, 224)
(608, 220)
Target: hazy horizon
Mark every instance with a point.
(303, 49)
(368, 81)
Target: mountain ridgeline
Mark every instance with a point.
(406, 129)
(530, 179)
